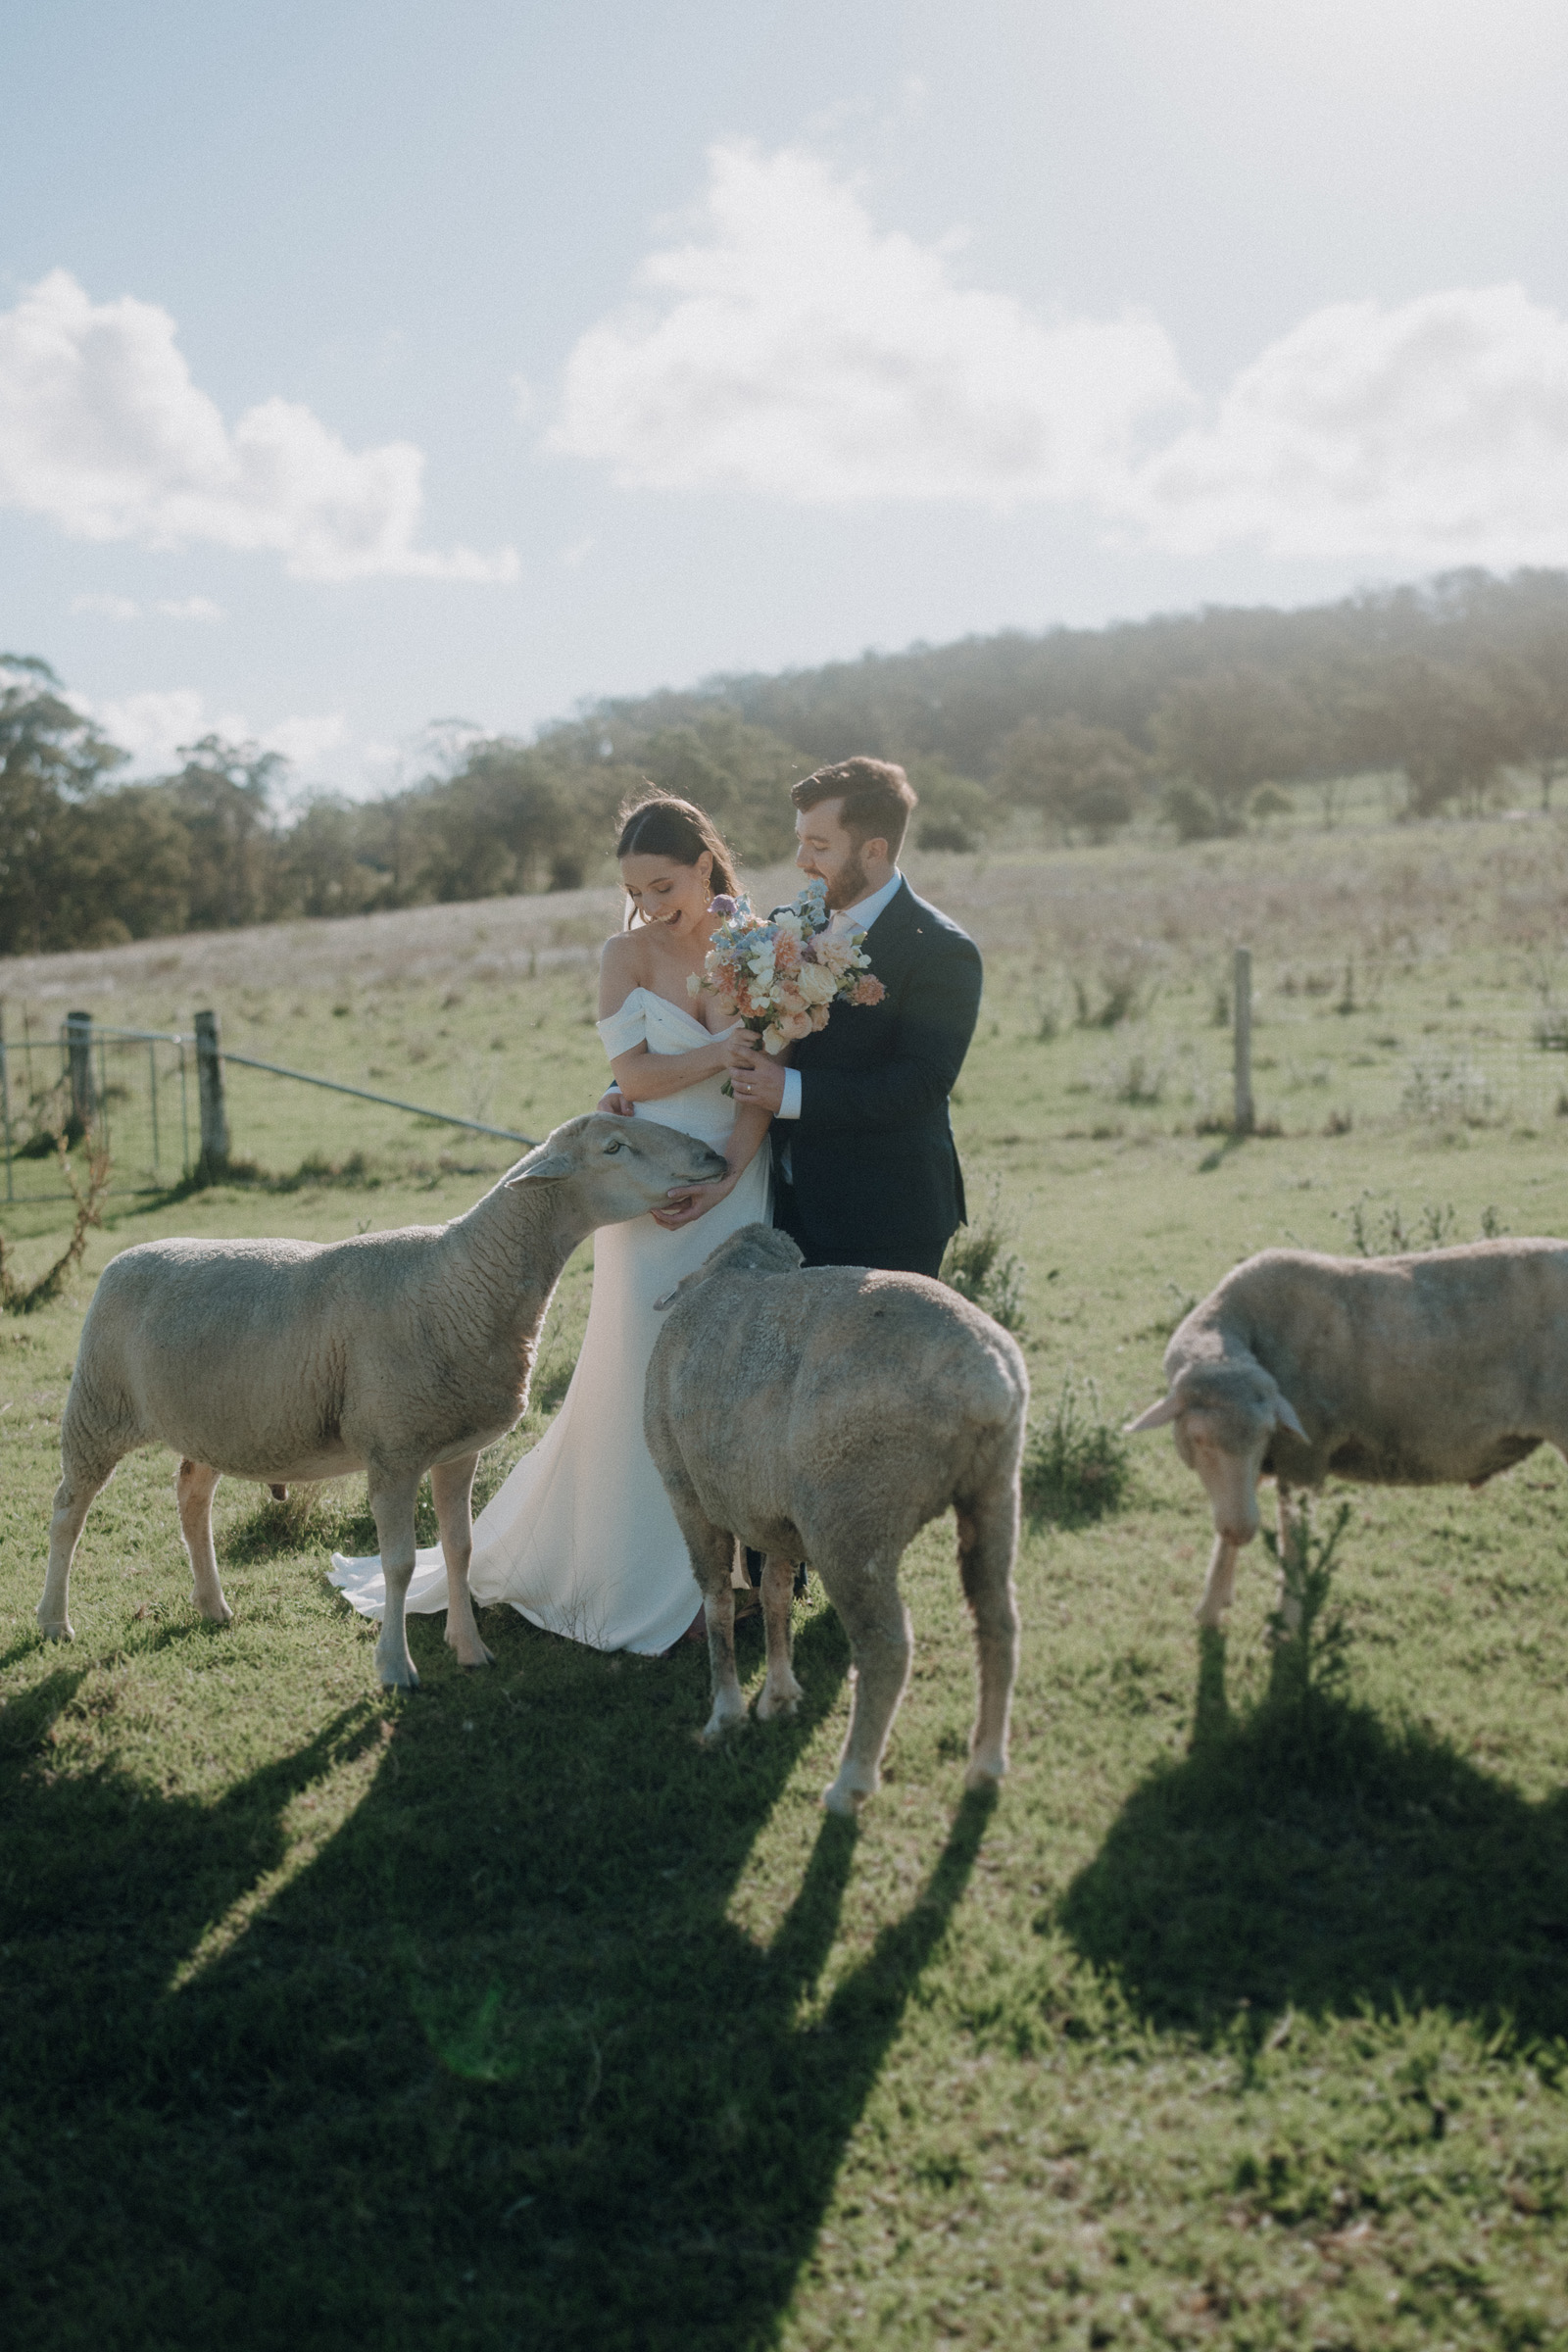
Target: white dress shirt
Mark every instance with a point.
(859, 918)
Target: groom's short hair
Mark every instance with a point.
(877, 798)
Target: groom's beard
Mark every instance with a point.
(848, 884)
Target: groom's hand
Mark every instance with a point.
(617, 1101)
(755, 1078)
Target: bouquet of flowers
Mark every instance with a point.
(779, 973)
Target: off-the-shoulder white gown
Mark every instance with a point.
(581, 1538)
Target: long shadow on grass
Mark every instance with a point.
(1308, 1854)
(495, 2069)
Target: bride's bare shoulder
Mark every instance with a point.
(621, 957)
(620, 970)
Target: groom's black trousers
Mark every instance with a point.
(912, 1260)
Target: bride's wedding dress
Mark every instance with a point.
(581, 1539)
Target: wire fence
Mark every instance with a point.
(163, 1102)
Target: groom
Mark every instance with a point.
(866, 1173)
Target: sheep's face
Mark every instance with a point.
(627, 1166)
(1226, 1447)
(1222, 1417)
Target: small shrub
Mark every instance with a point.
(1385, 1232)
(1309, 1636)
(1269, 800)
(25, 1298)
(1124, 989)
(946, 833)
(1449, 1093)
(1077, 1465)
(1138, 1079)
(1195, 817)
(981, 1267)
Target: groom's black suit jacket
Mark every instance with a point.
(876, 1180)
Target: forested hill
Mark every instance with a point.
(1201, 720)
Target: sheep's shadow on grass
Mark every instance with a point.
(494, 2066)
(1306, 1854)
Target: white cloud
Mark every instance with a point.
(103, 432)
(189, 608)
(109, 608)
(304, 742)
(1436, 431)
(156, 727)
(794, 348)
(151, 726)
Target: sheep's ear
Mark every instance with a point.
(1285, 1417)
(684, 1283)
(549, 1170)
(1157, 1416)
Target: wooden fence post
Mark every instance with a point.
(1242, 1017)
(209, 1091)
(5, 1106)
(78, 1063)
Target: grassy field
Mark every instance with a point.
(504, 2016)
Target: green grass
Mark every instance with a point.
(504, 2015)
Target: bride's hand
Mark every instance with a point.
(688, 1203)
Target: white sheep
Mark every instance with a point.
(1440, 1368)
(394, 1353)
(826, 1414)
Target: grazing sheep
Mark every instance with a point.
(394, 1353)
(1435, 1369)
(827, 1414)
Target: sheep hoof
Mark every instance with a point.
(846, 1802)
(720, 1722)
(480, 1657)
(400, 1678)
(59, 1629)
(984, 1772)
(785, 1702)
(222, 1614)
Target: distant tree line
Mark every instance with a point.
(1202, 719)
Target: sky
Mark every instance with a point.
(367, 367)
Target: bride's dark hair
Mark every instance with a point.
(664, 828)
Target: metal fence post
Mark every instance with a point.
(79, 1064)
(1242, 1003)
(209, 1090)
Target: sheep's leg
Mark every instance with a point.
(881, 1646)
(1295, 1522)
(194, 1484)
(988, 1538)
(392, 1497)
(781, 1693)
(452, 1488)
(72, 1500)
(1219, 1586)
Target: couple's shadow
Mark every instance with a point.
(496, 2065)
(1305, 1854)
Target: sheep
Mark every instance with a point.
(827, 1414)
(394, 1353)
(1440, 1368)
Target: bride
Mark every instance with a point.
(581, 1539)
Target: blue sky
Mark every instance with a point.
(362, 366)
